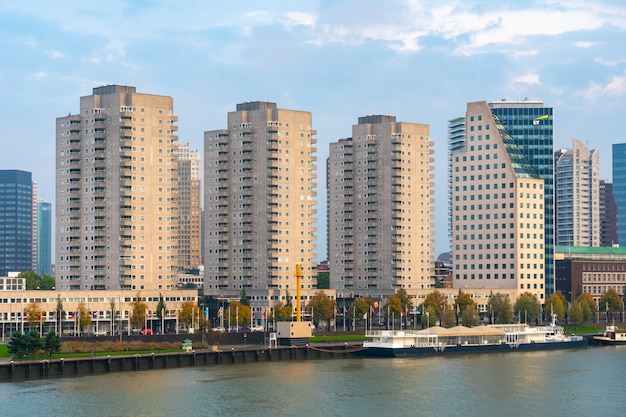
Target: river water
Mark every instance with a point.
(585, 382)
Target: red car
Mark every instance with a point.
(147, 331)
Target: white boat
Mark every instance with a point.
(461, 339)
(611, 336)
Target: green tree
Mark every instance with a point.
(161, 310)
(52, 343)
(500, 306)
(528, 307)
(556, 304)
(34, 342)
(469, 315)
(575, 313)
(321, 307)
(610, 301)
(288, 299)
(17, 345)
(33, 280)
(47, 282)
(113, 314)
(60, 313)
(23, 345)
(189, 286)
(243, 300)
(587, 305)
(323, 280)
(139, 310)
(429, 316)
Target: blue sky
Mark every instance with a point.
(421, 61)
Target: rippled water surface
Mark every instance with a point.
(563, 383)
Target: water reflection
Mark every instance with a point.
(515, 384)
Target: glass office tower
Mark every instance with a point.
(16, 210)
(619, 189)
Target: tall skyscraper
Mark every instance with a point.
(608, 215)
(530, 126)
(117, 192)
(577, 196)
(189, 207)
(34, 227)
(44, 238)
(16, 221)
(619, 189)
(456, 143)
(259, 204)
(381, 208)
(498, 208)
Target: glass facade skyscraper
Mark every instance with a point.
(16, 209)
(530, 125)
(619, 189)
(44, 238)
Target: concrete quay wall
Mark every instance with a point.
(32, 370)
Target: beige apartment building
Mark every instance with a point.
(497, 211)
(189, 208)
(380, 200)
(577, 191)
(117, 192)
(259, 205)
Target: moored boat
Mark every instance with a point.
(486, 338)
(611, 336)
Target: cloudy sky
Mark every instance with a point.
(419, 60)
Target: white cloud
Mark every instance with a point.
(529, 79)
(609, 63)
(39, 75)
(586, 44)
(300, 19)
(615, 87)
(56, 54)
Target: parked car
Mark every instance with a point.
(146, 331)
(100, 333)
(257, 328)
(219, 329)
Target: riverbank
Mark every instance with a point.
(229, 354)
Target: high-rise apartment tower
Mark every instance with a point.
(259, 204)
(189, 207)
(381, 208)
(577, 196)
(117, 192)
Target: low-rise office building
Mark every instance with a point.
(592, 270)
(110, 311)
